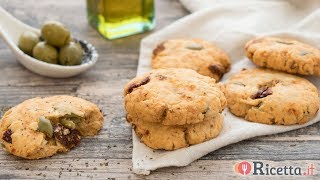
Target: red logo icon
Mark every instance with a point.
(243, 168)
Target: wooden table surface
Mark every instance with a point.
(108, 155)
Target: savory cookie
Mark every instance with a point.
(41, 127)
(158, 136)
(173, 96)
(271, 97)
(196, 54)
(285, 55)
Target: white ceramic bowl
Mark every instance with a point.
(11, 29)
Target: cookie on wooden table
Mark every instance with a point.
(271, 97)
(41, 127)
(199, 55)
(283, 54)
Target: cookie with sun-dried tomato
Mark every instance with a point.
(42, 127)
(271, 97)
(202, 56)
(173, 96)
(174, 108)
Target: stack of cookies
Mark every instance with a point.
(179, 103)
(174, 108)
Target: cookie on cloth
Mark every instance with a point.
(199, 55)
(41, 127)
(173, 96)
(284, 54)
(271, 97)
(159, 136)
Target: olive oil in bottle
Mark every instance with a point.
(120, 18)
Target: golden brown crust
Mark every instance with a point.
(271, 97)
(158, 136)
(173, 97)
(22, 120)
(199, 55)
(284, 54)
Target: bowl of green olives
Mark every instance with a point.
(50, 51)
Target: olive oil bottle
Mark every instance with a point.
(120, 18)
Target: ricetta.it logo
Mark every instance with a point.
(243, 168)
(259, 168)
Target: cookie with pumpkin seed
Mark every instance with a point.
(284, 54)
(42, 127)
(271, 97)
(202, 56)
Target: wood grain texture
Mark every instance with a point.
(108, 155)
(121, 169)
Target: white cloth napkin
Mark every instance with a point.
(229, 24)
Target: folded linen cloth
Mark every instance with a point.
(229, 24)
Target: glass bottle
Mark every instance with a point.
(120, 18)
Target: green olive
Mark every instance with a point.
(68, 123)
(45, 126)
(27, 41)
(55, 33)
(44, 52)
(74, 117)
(194, 46)
(71, 54)
(70, 120)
